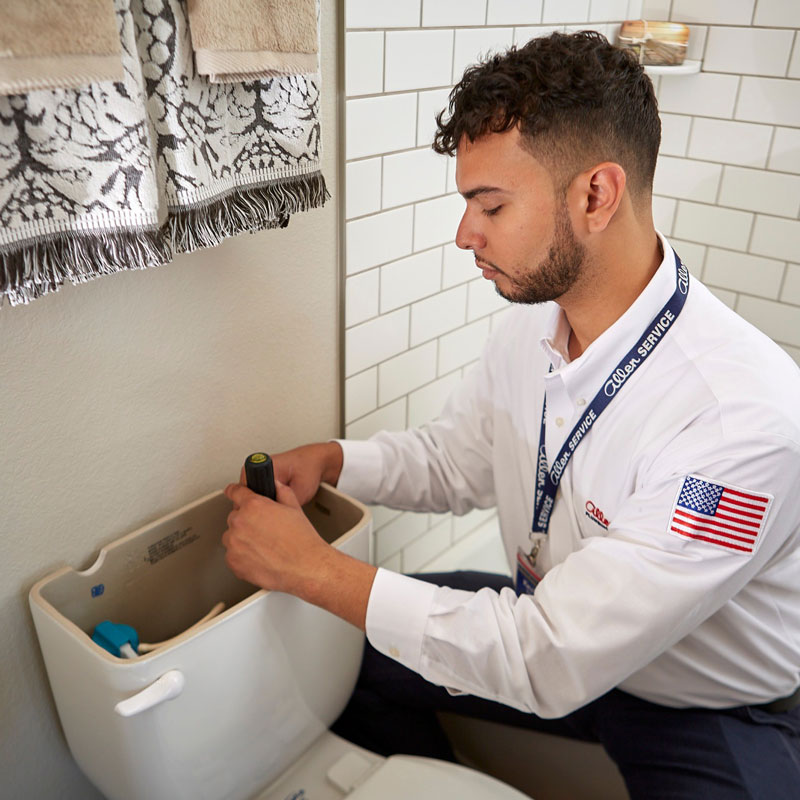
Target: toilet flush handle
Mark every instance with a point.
(169, 685)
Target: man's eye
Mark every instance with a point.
(490, 212)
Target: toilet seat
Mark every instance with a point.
(402, 777)
(335, 769)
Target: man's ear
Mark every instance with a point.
(595, 195)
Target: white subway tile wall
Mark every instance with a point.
(449, 13)
(363, 62)
(402, 374)
(435, 221)
(705, 94)
(430, 104)
(727, 190)
(566, 11)
(369, 14)
(675, 134)
(744, 143)
(418, 59)
(424, 404)
(752, 51)
(717, 12)
(413, 175)
(691, 180)
(373, 240)
(361, 297)
(514, 12)
(438, 314)
(363, 191)
(776, 99)
(380, 124)
(794, 64)
(372, 342)
(410, 279)
(361, 394)
(778, 13)
(785, 153)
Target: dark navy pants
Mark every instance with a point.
(663, 753)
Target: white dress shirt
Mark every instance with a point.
(629, 599)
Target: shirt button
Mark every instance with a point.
(582, 401)
(394, 652)
(559, 421)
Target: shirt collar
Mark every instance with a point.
(604, 353)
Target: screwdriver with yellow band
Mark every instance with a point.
(260, 475)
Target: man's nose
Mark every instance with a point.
(468, 237)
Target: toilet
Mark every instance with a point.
(236, 707)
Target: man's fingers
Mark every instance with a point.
(237, 493)
(285, 496)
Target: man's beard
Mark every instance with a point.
(556, 273)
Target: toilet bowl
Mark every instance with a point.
(237, 707)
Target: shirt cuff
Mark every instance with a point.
(397, 614)
(362, 468)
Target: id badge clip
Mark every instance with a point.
(527, 578)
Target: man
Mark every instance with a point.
(641, 443)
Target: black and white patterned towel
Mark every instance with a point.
(125, 175)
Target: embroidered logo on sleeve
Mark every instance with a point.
(722, 515)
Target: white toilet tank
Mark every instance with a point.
(253, 687)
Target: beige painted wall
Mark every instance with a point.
(125, 398)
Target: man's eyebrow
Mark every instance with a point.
(481, 190)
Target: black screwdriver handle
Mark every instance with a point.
(260, 475)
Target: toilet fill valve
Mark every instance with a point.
(260, 475)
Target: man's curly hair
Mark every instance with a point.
(576, 100)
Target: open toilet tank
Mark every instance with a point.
(253, 687)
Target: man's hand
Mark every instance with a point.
(268, 542)
(303, 468)
(273, 545)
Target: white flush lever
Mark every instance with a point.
(169, 685)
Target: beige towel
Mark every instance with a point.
(245, 40)
(57, 44)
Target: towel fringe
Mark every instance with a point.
(244, 209)
(38, 267)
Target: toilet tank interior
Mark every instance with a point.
(164, 577)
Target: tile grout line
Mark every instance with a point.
(383, 76)
(783, 281)
(750, 235)
(413, 389)
(772, 138)
(719, 185)
(795, 46)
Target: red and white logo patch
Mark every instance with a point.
(723, 515)
(596, 515)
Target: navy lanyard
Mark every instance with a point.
(547, 479)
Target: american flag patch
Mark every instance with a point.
(723, 515)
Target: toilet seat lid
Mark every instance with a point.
(401, 777)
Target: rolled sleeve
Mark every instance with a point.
(397, 613)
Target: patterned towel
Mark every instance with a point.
(125, 175)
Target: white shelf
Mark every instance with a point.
(687, 68)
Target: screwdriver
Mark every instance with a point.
(260, 475)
